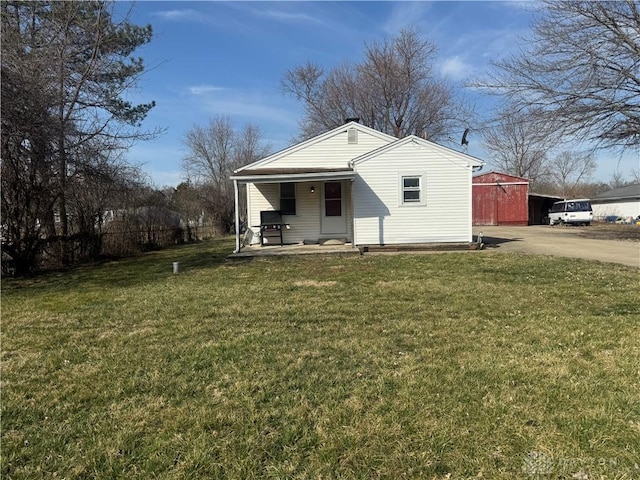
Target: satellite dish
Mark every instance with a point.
(464, 141)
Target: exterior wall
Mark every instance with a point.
(445, 214)
(630, 208)
(265, 196)
(333, 152)
(305, 224)
(500, 199)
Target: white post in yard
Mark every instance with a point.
(237, 205)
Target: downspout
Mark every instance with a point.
(237, 208)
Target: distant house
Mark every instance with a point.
(620, 202)
(362, 186)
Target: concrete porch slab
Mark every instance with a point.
(255, 251)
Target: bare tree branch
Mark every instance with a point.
(394, 89)
(66, 68)
(517, 145)
(581, 70)
(213, 153)
(570, 169)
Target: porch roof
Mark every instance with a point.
(279, 175)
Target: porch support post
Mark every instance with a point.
(237, 207)
(353, 215)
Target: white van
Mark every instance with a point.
(577, 212)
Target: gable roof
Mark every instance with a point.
(496, 174)
(314, 140)
(630, 192)
(422, 143)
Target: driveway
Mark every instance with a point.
(561, 241)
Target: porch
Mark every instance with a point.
(314, 205)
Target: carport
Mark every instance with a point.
(539, 206)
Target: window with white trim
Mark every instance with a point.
(411, 189)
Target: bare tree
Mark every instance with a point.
(210, 156)
(517, 146)
(394, 90)
(581, 71)
(93, 190)
(214, 152)
(570, 170)
(589, 189)
(92, 69)
(66, 70)
(619, 179)
(29, 188)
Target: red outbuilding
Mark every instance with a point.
(500, 199)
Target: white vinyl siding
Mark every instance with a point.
(260, 197)
(619, 208)
(444, 213)
(333, 152)
(305, 224)
(374, 201)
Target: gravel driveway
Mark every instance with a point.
(561, 241)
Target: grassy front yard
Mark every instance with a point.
(460, 365)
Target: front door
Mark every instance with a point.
(334, 216)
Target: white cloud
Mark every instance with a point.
(524, 5)
(272, 112)
(204, 89)
(251, 106)
(161, 158)
(289, 12)
(455, 68)
(180, 15)
(472, 53)
(406, 15)
(287, 16)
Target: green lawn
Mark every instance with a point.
(458, 365)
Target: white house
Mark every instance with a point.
(620, 202)
(362, 186)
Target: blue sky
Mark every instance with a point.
(227, 58)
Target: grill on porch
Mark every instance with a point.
(271, 225)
